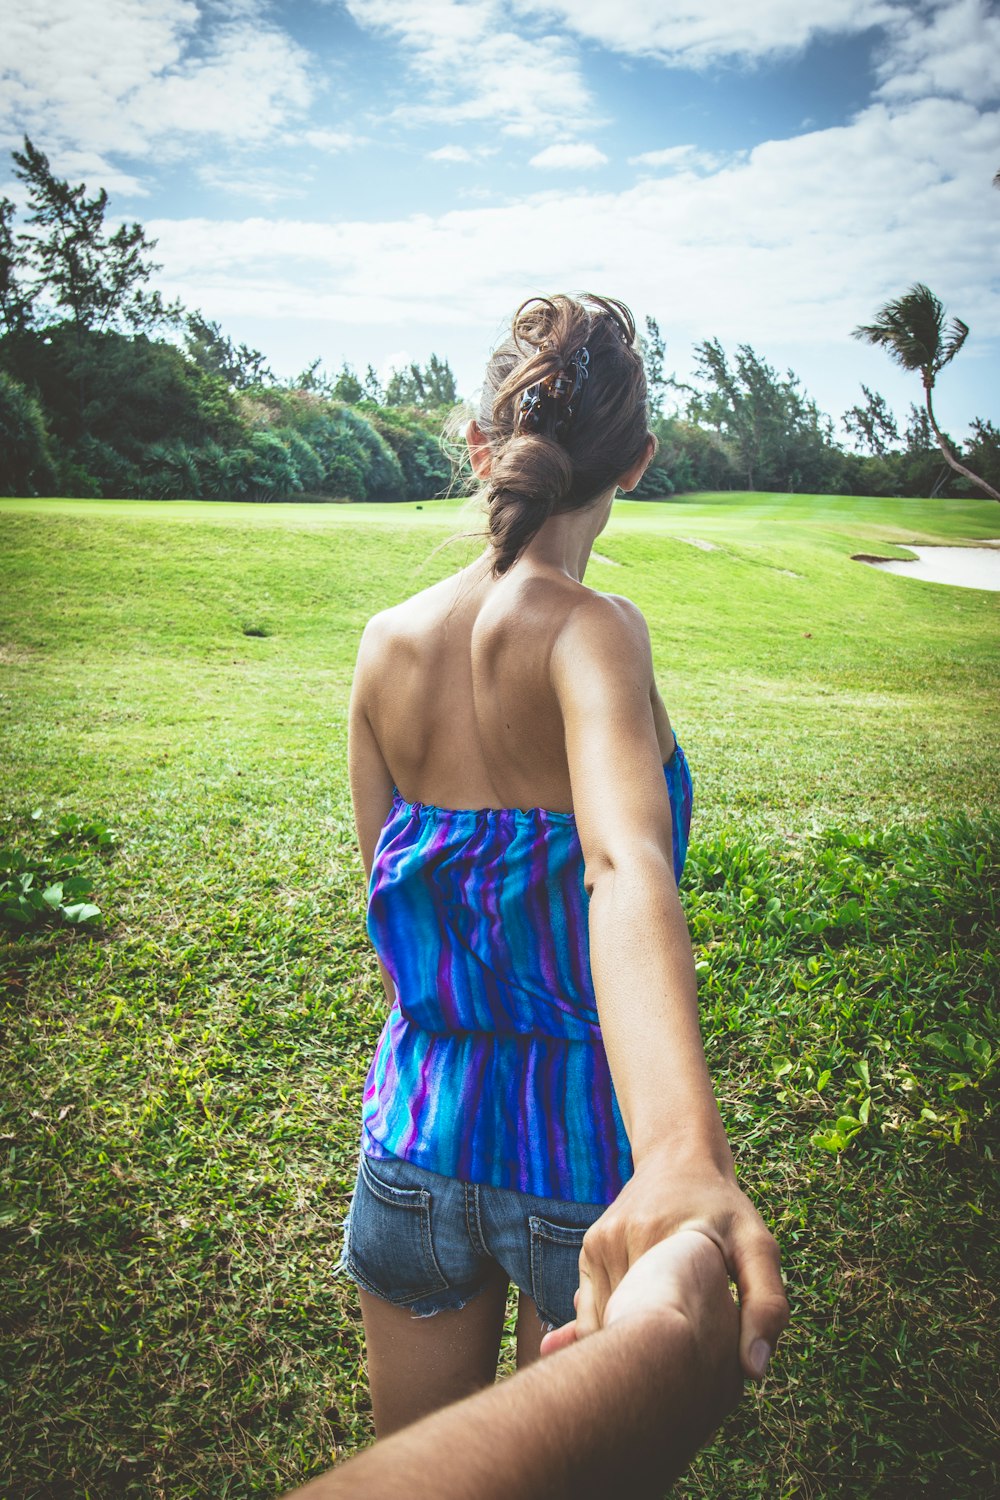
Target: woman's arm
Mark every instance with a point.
(370, 777)
(645, 984)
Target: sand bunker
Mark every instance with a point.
(966, 567)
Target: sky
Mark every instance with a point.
(374, 180)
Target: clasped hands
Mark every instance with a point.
(667, 1194)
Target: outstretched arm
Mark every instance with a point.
(644, 981)
(619, 1414)
(370, 777)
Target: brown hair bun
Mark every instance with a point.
(532, 474)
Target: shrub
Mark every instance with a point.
(169, 471)
(308, 465)
(350, 454)
(44, 885)
(424, 463)
(344, 478)
(383, 473)
(25, 461)
(214, 470)
(116, 475)
(695, 458)
(74, 479)
(273, 474)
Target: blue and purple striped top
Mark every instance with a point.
(491, 1067)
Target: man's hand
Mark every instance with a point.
(665, 1196)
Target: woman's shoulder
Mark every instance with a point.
(603, 645)
(400, 622)
(611, 618)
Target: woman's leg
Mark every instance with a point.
(416, 1365)
(530, 1331)
(412, 1239)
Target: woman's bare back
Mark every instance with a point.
(459, 693)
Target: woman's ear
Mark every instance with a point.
(631, 477)
(479, 449)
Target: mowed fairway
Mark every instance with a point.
(180, 1085)
(807, 686)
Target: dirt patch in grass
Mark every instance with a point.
(15, 656)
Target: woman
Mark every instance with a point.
(522, 807)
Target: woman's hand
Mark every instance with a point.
(670, 1193)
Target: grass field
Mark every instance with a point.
(180, 1084)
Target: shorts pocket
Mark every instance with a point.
(389, 1250)
(555, 1267)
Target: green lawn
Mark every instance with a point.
(181, 1084)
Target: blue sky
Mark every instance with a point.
(372, 180)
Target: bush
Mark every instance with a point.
(117, 476)
(425, 465)
(308, 465)
(694, 457)
(212, 461)
(334, 448)
(273, 473)
(42, 885)
(383, 473)
(169, 471)
(656, 482)
(872, 475)
(76, 480)
(982, 453)
(128, 392)
(345, 479)
(25, 461)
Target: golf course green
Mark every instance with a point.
(181, 1075)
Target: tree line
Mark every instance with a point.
(740, 424)
(106, 390)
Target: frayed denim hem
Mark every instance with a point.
(448, 1300)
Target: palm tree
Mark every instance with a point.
(912, 331)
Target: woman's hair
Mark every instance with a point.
(564, 411)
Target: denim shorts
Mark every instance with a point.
(429, 1243)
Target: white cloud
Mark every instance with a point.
(572, 156)
(462, 154)
(264, 185)
(396, 359)
(450, 153)
(792, 245)
(328, 140)
(473, 68)
(677, 159)
(134, 77)
(787, 246)
(91, 166)
(252, 81)
(696, 33)
(953, 50)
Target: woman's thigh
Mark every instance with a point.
(418, 1365)
(432, 1257)
(432, 1300)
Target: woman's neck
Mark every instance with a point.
(564, 543)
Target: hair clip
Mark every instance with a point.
(553, 401)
